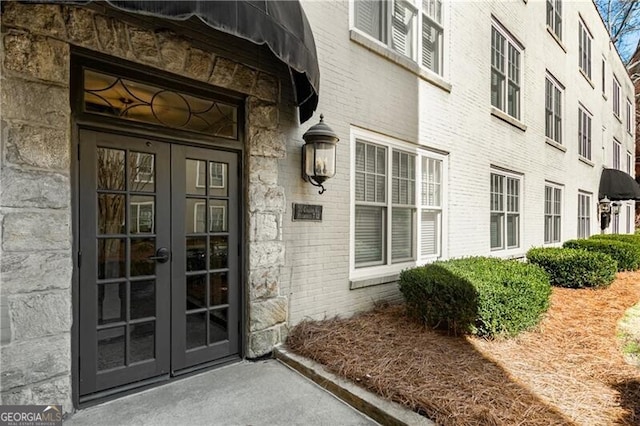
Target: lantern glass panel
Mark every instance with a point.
(323, 163)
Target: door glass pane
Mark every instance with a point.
(196, 330)
(196, 292)
(111, 258)
(141, 250)
(110, 168)
(196, 177)
(143, 299)
(111, 214)
(195, 215)
(196, 253)
(218, 216)
(142, 172)
(217, 179)
(218, 325)
(142, 341)
(142, 214)
(219, 252)
(111, 348)
(111, 303)
(219, 293)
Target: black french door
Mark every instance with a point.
(159, 259)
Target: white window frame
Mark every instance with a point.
(552, 212)
(616, 155)
(422, 10)
(616, 99)
(630, 218)
(604, 77)
(217, 180)
(629, 163)
(135, 217)
(585, 40)
(389, 267)
(585, 120)
(506, 176)
(510, 44)
(553, 108)
(629, 117)
(615, 223)
(554, 17)
(584, 217)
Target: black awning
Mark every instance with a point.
(617, 186)
(281, 25)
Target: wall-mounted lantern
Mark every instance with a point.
(319, 154)
(604, 208)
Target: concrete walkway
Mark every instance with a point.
(261, 393)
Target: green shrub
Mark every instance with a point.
(478, 295)
(625, 238)
(574, 268)
(625, 254)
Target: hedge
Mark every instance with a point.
(478, 295)
(574, 268)
(625, 238)
(625, 254)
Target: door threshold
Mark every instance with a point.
(143, 385)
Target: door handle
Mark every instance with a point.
(162, 255)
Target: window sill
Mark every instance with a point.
(508, 119)
(514, 253)
(370, 282)
(617, 117)
(556, 38)
(586, 77)
(604, 96)
(400, 60)
(555, 144)
(586, 161)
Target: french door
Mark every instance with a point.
(158, 259)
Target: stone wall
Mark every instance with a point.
(35, 198)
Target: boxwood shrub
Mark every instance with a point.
(625, 254)
(625, 238)
(574, 268)
(478, 295)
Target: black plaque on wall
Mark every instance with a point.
(308, 212)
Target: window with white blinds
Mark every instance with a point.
(398, 205)
(413, 28)
(552, 213)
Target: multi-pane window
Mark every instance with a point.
(398, 205)
(505, 211)
(584, 215)
(629, 116)
(616, 162)
(604, 75)
(552, 213)
(616, 97)
(553, 110)
(629, 162)
(584, 133)
(584, 49)
(554, 16)
(629, 219)
(505, 72)
(413, 28)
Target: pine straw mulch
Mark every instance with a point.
(569, 370)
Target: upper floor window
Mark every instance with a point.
(584, 133)
(505, 72)
(629, 116)
(505, 211)
(629, 162)
(554, 16)
(604, 75)
(616, 97)
(584, 49)
(553, 109)
(413, 28)
(398, 204)
(616, 162)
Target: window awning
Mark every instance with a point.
(617, 186)
(281, 25)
